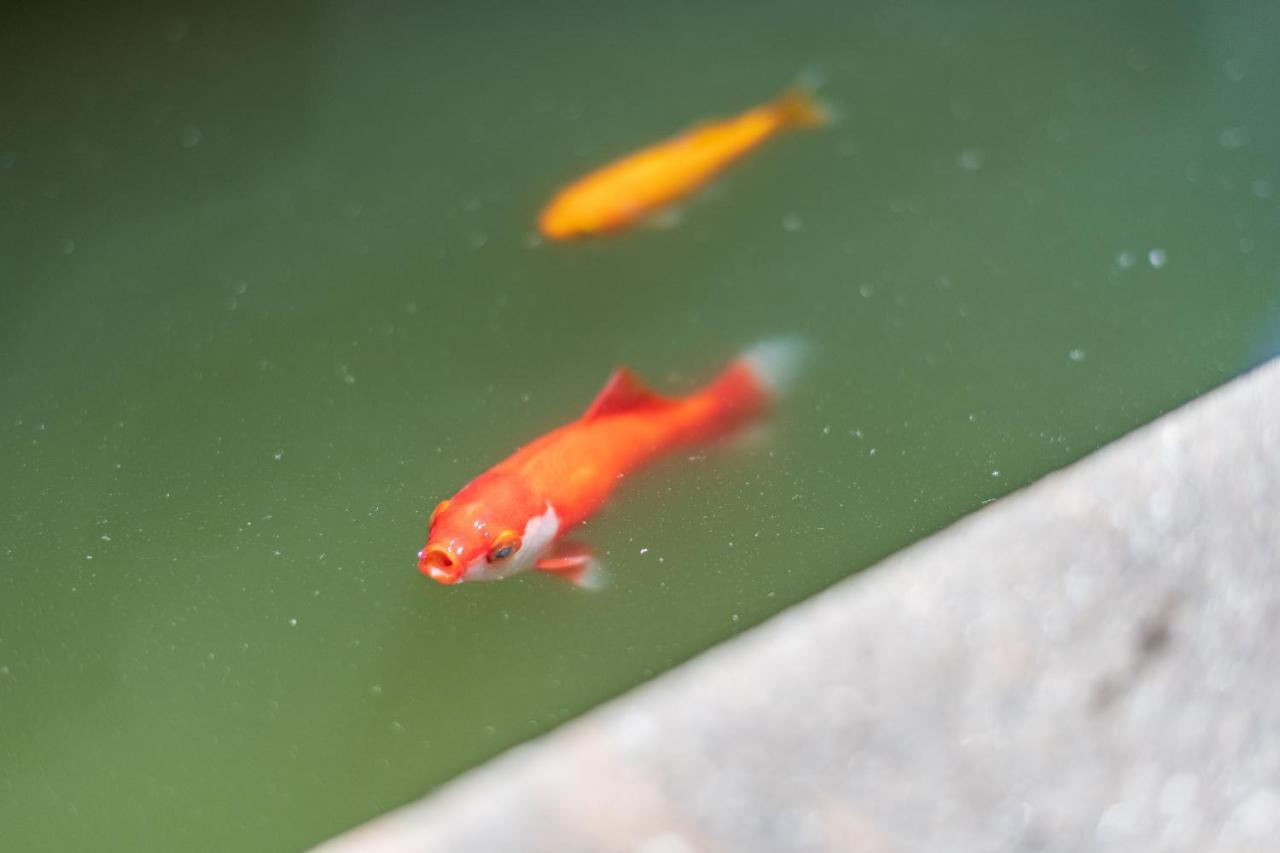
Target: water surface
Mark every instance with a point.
(270, 290)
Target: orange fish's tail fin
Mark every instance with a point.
(776, 364)
(751, 384)
(797, 107)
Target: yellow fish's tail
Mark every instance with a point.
(797, 107)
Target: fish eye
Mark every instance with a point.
(506, 545)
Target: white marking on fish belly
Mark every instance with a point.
(539, 532)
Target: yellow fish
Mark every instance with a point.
(617, 195)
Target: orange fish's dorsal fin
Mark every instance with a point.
(622, 393)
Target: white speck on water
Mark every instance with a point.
(397, 727)
(1126, 259)
(866, 291)
(871, 452)
(995, 472)
(644, 550)
(344, 373)
(792, 222)
(1076, 354)
(88, 556)
(278, 455)
(735, 617)
(1157, 258)
(190, 136)
(66, 245)
(970, 159)
(1232, 138)
(293, 622)
(375, 689)
(826, 430)
(105, 538)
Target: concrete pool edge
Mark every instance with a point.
(1083, 664)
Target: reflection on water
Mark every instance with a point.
(272, 289)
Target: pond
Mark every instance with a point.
(272, 287)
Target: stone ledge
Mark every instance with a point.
(1090, 664)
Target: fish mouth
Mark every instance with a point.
(437, 564)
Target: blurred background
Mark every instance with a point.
(271, 287)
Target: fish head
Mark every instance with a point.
(583, 214)
(486, 534)
(560, 222)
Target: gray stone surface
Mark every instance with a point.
(1090, 664)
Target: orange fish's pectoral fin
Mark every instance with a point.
(575, 563)
(664, 219)
(623, 392)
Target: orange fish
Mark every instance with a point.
(617, 195)
(513, 517)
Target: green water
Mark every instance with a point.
(268, 291)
